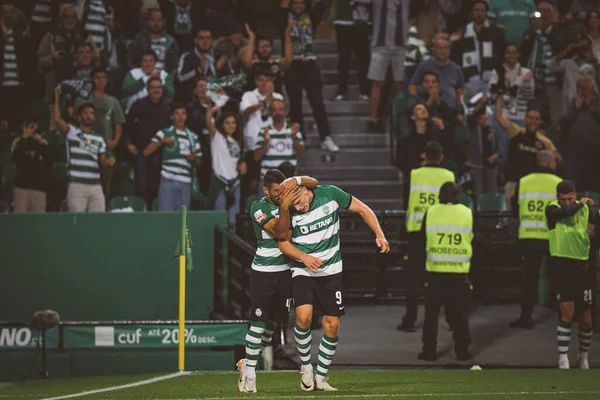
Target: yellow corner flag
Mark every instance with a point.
(188, 250)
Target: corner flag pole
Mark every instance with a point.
(182, 252)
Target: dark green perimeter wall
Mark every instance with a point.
(103, 266)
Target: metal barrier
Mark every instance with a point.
(370, 277)
(233, 257)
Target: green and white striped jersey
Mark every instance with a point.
(174, 165)
(83, 152)
(281, 147)
(317, 231)
(268, 257)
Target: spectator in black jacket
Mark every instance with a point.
(411, 147)
(438, 106)
(200, 62)
(196, 111)
(33, 158)
(163, 44)
(182, 18)
(147, 116)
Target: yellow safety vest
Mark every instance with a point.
(449, 233)
(569, 238)
(536, 191)
(425, 183)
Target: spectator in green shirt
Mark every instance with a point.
(514, 16)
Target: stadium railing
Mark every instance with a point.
(372, 278)
(233, 257)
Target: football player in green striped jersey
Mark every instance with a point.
(271, 280)
(316, 262)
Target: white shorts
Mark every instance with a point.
(381, 58)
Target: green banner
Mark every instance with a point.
(153, 336)
(20, 337)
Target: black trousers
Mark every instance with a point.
(353, 39)
(306, 75)
(453, 291)
(532, 253)
(415, 274)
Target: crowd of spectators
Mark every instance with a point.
(498, 81)
(190, 95)
(184, 92)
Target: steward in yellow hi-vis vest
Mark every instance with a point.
(447, 234)
(535, 192)
(425, 183)
(570, 227)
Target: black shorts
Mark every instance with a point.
(572, 282)
(325, 293)
(271, 296)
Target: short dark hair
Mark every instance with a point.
(153, 79)
(177, 106)
(83, 107)
(287, 168)
(264, 72)
(433, 151)
(148, 53)
(273, 176)
(202, 28)
(487, 7)
(449, 193)
(430, 73)
(565, 187)
(265, 38)
(81, 44)
(97, 70)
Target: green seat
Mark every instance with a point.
(123, 203)
(249, 201)
(8, 181)
(63, 207)
(465, 200)
(4, 207)
(123, 180)
(493, 201)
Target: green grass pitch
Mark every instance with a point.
(352, 384)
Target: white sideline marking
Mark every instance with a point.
(399, 395)
(127, 386)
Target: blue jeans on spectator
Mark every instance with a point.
(147, 177)
(221, 202)
(172, 195)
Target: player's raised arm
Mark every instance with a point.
(358, 207)
(291, 251)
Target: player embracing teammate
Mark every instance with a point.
(306, 225)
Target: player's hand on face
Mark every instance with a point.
(289, 198)
(311, 262)
(383, 244)
(287, 186)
